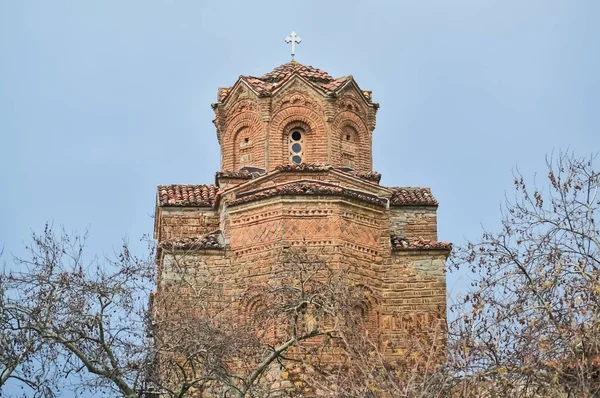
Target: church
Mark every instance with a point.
(296, 170)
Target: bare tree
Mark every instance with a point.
(530, 325)
(90, 313)
(24, 359)
(88, 317)
(295, 333)
(365, 368)
(300, 333)
(252, 343)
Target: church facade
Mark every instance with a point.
(296, 170)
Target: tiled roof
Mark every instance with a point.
(372, 176)
(303, 167)
(264, 85)
(284, 71)
(222, 93)
(409, 196)
(206, 242)
(235, 175)
(365, 175)
(241, 174)
(306, 188)
(419, 244)
(186, 195)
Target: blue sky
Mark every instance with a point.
(100, 101)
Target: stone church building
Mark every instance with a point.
(296, 167)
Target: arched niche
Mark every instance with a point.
(312, 126)
(243, 143)
(351, 146)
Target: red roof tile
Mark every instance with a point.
(419, 244)
(241, 174)
(236, 175)
(187, 195)
(372, 176)
(303, 167)
(264, 85)
(222, 93)
(306, 188)
(409, 196)
(309, 167)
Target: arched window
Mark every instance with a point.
(349, 147)
(296, 145)
(243, 148)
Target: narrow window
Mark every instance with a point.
(243, 148)
(296, 146)
(349, 147)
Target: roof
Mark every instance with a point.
(309, 167)
(412, 196)
(370, 176)
(202, 195)
(419, 244)
(236, 175)
(307, 188)
(264, 85)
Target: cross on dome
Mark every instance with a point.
(294, 39)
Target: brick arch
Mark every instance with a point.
(252, 303)
(363, 160)
(349, 102)
(367, 307)
(252, 124)
(295, 97)
(316, 135)
(254, 311)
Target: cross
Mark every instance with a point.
(292, 38)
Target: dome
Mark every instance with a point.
(265, 85)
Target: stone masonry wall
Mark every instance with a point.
(180, 223)
(414, 222)
(414, 293)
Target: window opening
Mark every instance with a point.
(296, 142)
(349, 149)
(243, 149)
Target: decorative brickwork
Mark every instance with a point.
(244, 142)
(331, 202)
(255, 116)
(352, 141)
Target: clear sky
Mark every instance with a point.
(100, 101)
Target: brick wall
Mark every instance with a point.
(254, 131)
(403, 286)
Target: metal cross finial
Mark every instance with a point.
(292, 38)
